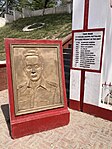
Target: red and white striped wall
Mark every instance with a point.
(86, 86)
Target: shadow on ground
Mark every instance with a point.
(5, 110)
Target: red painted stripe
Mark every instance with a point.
(85, 27)
(74, 104)
(91, 109)
(86, 14)
(2, 65)
(82, 83)
(97, 111)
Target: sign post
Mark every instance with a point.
(87, 51)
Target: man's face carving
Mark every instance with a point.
(33, 67)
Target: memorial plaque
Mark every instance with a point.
(36, 77)
(87, 50)
(36, 85)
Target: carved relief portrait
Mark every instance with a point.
(36, 73)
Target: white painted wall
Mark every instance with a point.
(17, 15)
(75, 84)
(9, 18)
(100, 16)
(78, 14)
(28, 13)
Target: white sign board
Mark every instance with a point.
(87, 50)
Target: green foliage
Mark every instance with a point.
(33, 4)
(56, 26)
(37, 4)
(51, 3)
(22, 4)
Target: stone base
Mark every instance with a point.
(41, 121)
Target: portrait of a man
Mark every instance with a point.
(36, 92)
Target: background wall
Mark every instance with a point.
(100, 16)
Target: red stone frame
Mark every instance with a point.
(39, 121)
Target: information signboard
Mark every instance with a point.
(87, 49)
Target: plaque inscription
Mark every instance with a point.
(87, 50)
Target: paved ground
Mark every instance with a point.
(83, 132)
